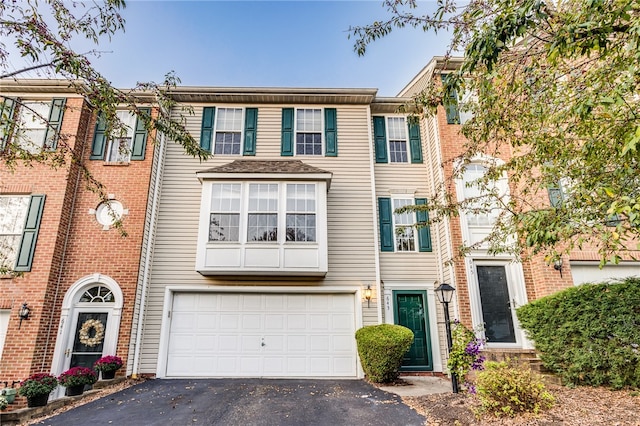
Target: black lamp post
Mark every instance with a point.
(444, 292)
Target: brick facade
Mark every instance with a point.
(71, 244)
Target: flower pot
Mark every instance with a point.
(9, 394)
(74, 390)
(108, 375)
(38, 400)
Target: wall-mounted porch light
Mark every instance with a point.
(23, 313)
(367, 295)
(557, 265)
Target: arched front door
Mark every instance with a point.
(89, 323)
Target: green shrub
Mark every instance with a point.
(590, 334)
(507, 390)
(381, 349)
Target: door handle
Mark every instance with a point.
(262, 342)
(67, 353)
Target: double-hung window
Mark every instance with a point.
(33, 125)
(19, 224)
(119, 146)
(301, 212)
(37, 127)
(224, 221)
(228, 131)
(309, 131)
(403, 232)
(262, 221)
(13, 213)
(396, 140)
(397, 135)
(405, 239)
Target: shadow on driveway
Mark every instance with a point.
(244, 402)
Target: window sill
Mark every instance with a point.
(116, 163)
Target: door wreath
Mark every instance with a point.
(85, 330)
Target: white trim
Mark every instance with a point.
(215, 130)
(295, 131)
(170, 291)
(374, 216)
(71, 305)
(265, 176)
(517, 295)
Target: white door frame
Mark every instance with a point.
(517, 296)
(69, 319)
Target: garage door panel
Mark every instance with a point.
(262, 335)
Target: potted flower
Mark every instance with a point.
(37, 389)
(108, 366)
(76, 378)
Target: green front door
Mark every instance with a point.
(410, 307)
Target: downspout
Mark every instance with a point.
(374, 204)
(147, 260)
(64, 247)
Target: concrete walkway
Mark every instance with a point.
(420, 385)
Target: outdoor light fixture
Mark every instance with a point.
(23, 313)
(557, 265)
(444, 292)
(367, 295)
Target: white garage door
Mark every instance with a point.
(262, 335)
(585, 272)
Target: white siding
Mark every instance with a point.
(350, 230)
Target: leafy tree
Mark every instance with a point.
(556, 87)
(42, 33)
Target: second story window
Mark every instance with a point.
(224, 221)
(13, 212)
(309, 132)
(405, 239)
(119, 146)
(228, 131)
(32, 125)
(301, 212)
(263, 212)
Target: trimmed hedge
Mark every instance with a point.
(381, 349)
(590, 334)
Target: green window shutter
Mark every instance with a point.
(99, 139)
(386, 224)
(380, 139)
(139, 146)
(250, 131)
(424, 232)
(415, 143)
(286, 149)
(208, 116)
(55, 122)
(330, 133)
(555, 196)
(30, 234)
(6, 114)
(450, 103)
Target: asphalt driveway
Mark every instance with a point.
(244, 402)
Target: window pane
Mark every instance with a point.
(224, 227)
(398, 151)
(225, 197)
(262, 227)
(227, 143)
(228, 131)
(301, 227)
(33, 125)
(119, 150)
(397, 128)
(263, 197)
(309, 132)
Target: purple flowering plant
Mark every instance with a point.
(108, 363)
(76, 376)
(465, 353)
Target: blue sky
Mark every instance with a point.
(263, 44)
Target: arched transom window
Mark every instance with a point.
(97, 294)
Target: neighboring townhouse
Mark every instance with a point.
(264, 256)
(78, 274)
(490, 287)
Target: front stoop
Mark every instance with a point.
(527, 358)
(24, 415)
